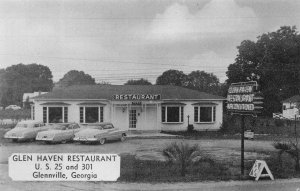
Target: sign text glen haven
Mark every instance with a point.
(136, 97)
(241, 98)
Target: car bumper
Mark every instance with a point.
(15, 137)
(44, 139)
(85, 139)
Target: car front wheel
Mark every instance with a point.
(102, 141)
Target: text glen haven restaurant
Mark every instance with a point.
(131, 107)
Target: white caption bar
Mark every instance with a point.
(64, 167)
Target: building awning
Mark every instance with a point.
(55, 103)
(204, 103)
(91, 103)
(173, 103)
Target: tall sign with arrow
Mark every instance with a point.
(243, 99)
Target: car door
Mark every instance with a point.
(69, 132)
(75, 129)
(114, 133)
(109, 131)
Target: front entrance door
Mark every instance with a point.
(132, 119)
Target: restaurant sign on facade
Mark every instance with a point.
(136, 97)
(243, 98)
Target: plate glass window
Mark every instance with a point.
(204, 114)
(55, 114)
(90, 114)
(172, 114)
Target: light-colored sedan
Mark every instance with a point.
(59, 133)
(100, 132)
(26, 130)
(13, 107)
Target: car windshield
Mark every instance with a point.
(22, 125)
(108, 126)
(95, 127)
(59, 127)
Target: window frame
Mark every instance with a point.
(82, 115)
(213, 114)
(65, 114)
(164, 114)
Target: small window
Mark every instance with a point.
(65, 114)
(163, 114)
(196, 115)
(101, 114)
(81, 114)
(45, 114)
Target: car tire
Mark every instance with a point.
(14, 140)
(123, 138)
(102, 141)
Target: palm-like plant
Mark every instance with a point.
(182, 154)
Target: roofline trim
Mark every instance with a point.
(194, 99)
(45, 99)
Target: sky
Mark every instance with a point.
(118, 40)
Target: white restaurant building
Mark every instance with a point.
(131, 107)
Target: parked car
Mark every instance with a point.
(13, 107)
(26, 130)
(100, 132)
(59, 133)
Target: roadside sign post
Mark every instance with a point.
(242, 144)
(243, 99)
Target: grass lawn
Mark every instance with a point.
(135, 170)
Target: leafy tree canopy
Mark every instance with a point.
(19, 79)
(197, 80)
(203, 81)
(172, 77)
(141, 81)
(274, 61)
(75, 77)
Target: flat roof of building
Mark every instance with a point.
(167, 92)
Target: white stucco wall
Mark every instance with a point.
(290, 110)
(189, 110)
(73, 110)
(148, 117)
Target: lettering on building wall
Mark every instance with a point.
(136, 103)
(136, 97)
